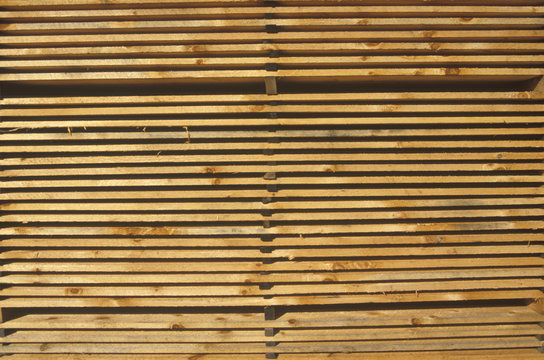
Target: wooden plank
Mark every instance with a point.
(170, 3)
(516, 73)
(399, 345)
(258, 205)
(251, 265)
(220, 180)
(234, 63)
(288, 335)
(334, 299)
(277, 290)
(235, 98)
(181, 123)
(286, 134)
(298, 11)
(482, 156)
(325, 277)
(286, 49)
(293, 36)
(143, 241)
(290, 320)
(298, 216)
(503, 354)
(253, 230)
(252, 194)
(329, 169)
(265, 108)
(414, 22)
(286, 145)
(276, 253)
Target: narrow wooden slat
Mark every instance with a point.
(292, 10)
(331, 61)
(287, 335)
(217, 180)
(249, 146)
(485, 156)
(329, 169)
(293, 265)
(258, 205)
(520, 73)
(417, 22)
(502, 354)
(298, 289)
(214, 301)
(286, 253)
(181, 123)
(322, 216)
(336, 36)
(368, 48)
(143, 241)
(283, 229)
(136, 3)
(329, 36)
(272, 277)
(252, 194)
(288, 135)
(399, 345)
(277, 108)
(234, 98)
(298, 320)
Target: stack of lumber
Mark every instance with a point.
(237, 179)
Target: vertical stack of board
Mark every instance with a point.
(237, 179)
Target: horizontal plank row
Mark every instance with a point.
(432, 47)
(258, 266)
(515, 73)
(184, 63)
(298, 11)
(160, 3)
(236, 348)
(325, 145)
(279, 37)
(357, 22)
(236, 229)
(324, 301)
(329, 179)
(145, 241)
(263, 121)
(326, 53)
(482, 156)
(487, 168)
(313, 277)
(284, 335)
(502, 354)
(257, 193)
(161, 100)
(299, 216)
(326, 319)
(287, 335)
(277, 253)
(276, 290)
(265, 108)
(290, 205)
(323, 208)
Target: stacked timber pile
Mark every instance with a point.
(238, 179)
